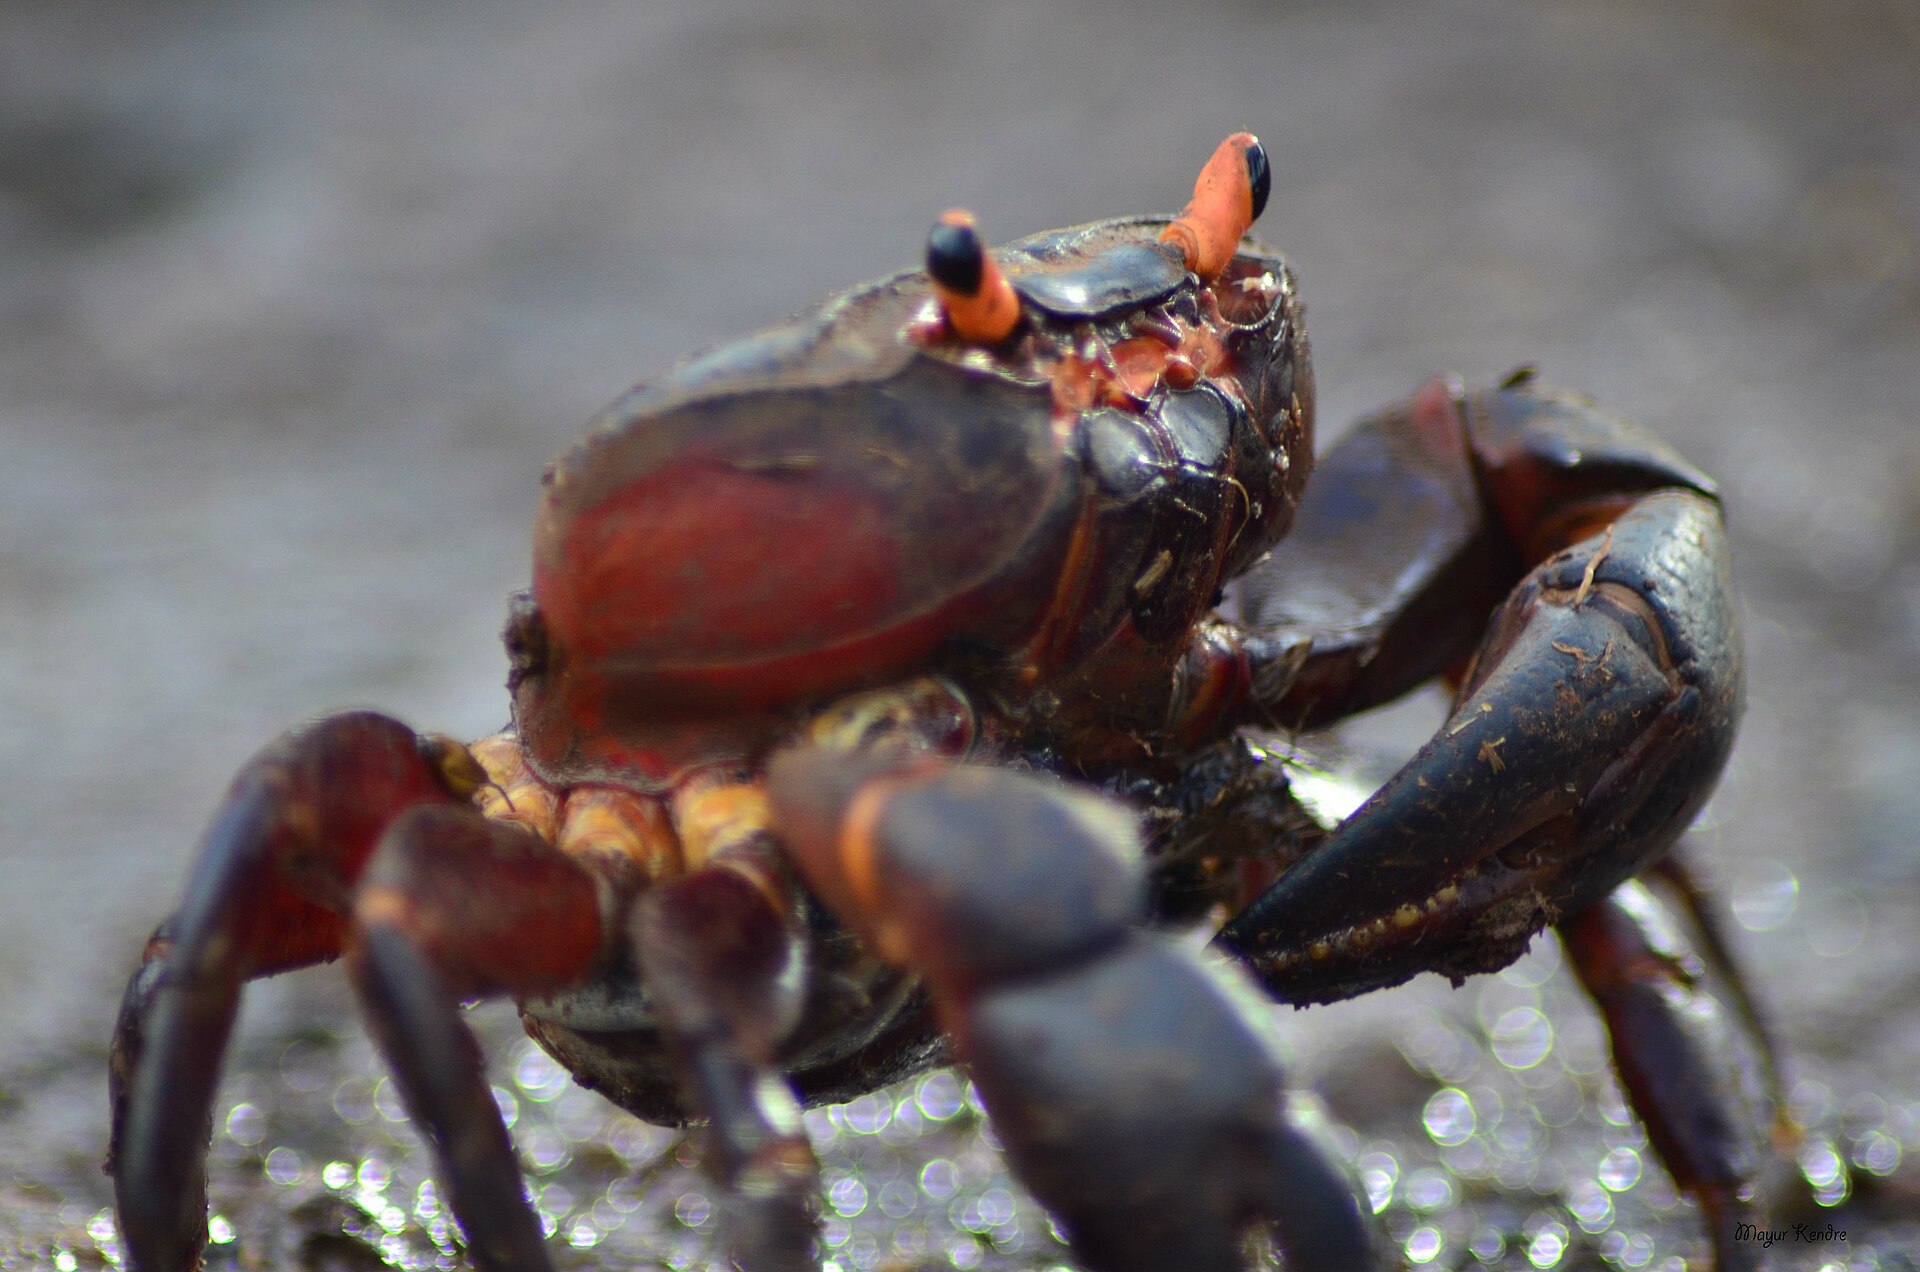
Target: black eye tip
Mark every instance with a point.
(1259, 176)
(955, 259)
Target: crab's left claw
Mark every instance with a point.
(1587, 730)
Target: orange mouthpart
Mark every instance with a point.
(980, 304)
(1226, 199)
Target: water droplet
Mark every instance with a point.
(1470, 1160)
(910, 1245)
(1619, 1170)
(1840, 925)
(353, 1100)
(898, 1199)
(1488, 1243)
(1548, 1244)
(337, 1175)
(1877, 1153)
(1590, 1205)
(1378, 1174)
(868, 1115)
(1765, 896)
(996, 1207)
(283, 1166)
(1009, 1237)
(1428, 1189)
(386, 1100)
(1442, 1051)
(219, 1231)
(1448, 1116)
(535, 1073)
(965, 1213)
(848, 1196)
(1522, 1037)
(636, 1143)
(907, 1123)
(1638, 1251)
(373, 1175)
(1423, 1245)
(1536, 967)
(1521, 1136)
(1810, 1102)
(1834, 1193)
(508, 1104)
(303, 1066)
(557, 1198)
(938, 1178)
(624, 1194)
(544, 1148)
(693, 1209)
(246, 1125)
(1819, 1163)
(1613, 1106)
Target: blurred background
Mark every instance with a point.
(296, 300)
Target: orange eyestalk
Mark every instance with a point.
(980, 305)
(1227, 199)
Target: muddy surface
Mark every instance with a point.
(295, 302)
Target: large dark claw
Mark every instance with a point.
(1590, 728)
(1132, 1091)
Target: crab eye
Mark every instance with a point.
(955, 259)
(1259, 176)
(1231, 192)
(980, 305)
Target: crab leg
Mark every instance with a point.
(454, 906)
(1588, 728)
(1694, 1065)
(721, 956)
(267, 894)
(1132, 1093)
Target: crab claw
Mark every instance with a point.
(1227, 199)
(980, 304)
(1587, 732)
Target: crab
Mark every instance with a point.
(881, 699)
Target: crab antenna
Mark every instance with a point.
(1228, 198)
(980, 305)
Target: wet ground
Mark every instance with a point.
(294, 303)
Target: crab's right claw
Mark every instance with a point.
(1587, 732)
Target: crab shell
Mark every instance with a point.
(855, 496)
